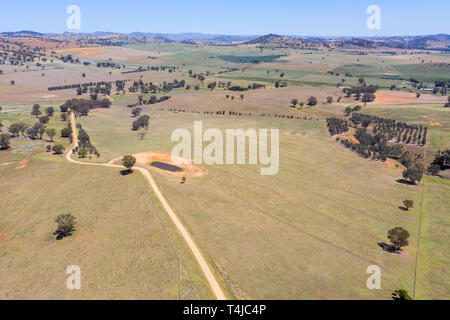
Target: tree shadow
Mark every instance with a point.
(387, 247)
(61, 236)
(126, 172)
(403, 208)
(409, 183)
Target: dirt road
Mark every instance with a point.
(214, 284)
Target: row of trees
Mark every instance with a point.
(399, 132)
(85, 145)
(337, 126)
(82, 107)
(364, 93)
(33, 132)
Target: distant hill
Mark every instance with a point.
(426, 42)
(275, 40)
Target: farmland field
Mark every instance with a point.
(309, 232)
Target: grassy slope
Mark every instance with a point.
(124, 244)
(314, 225)
(433, 268)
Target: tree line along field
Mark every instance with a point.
(310, 232)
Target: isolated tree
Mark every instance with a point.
(128, 162)
(36, 112)
(329, 100)
(4, 141)
(294, 102)
(401, 295)
(408, 204)
(312, 101)
(399, 238)
(51, 133)
(66, 226)
(58, 149)
(418, 95)
(242, 97)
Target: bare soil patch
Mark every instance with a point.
(23, 164)
(395, 97)
(188, 169)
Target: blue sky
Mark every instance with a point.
(250, 17)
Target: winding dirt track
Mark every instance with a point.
(215, 287)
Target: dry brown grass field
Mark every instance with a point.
(308, 232)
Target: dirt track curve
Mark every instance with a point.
(214, 284)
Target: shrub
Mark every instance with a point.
(66, 226)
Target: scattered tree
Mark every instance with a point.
(408, 204)
(401, 295)
(399, 238)
(51, 133)
(66, 226)
(36, 112)
(50, 111)
(136, 112)
(128, 162)
(66, 132)
(44, 119)
(414, 173)
(58, 149)
(312, 101)
(4, 141)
